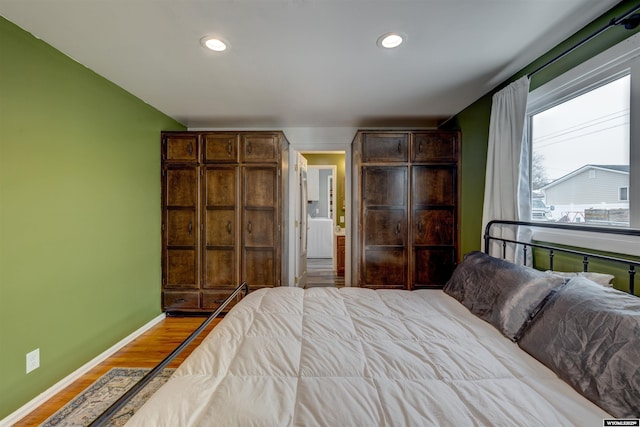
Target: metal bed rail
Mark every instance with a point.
(125, 398)
(632, 264)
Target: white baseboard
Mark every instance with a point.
(30, 406)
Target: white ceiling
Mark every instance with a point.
(304, 63)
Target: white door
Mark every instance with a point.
(300, 201)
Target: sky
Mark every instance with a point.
(590, 129)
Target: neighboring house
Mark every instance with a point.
(591, 184)
(589, 188)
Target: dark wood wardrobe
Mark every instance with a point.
(222, 207)
(406, 192)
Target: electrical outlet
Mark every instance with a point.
(33, 360)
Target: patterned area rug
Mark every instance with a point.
(94, 400)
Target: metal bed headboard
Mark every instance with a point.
(586, 256)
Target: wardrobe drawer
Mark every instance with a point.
(385, 147)
(211, 300)
(434, 147)
(220, 148)
(178, 300)
(180, 148)
(260, 148)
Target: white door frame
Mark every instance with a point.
(348, 160)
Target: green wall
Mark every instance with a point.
(79, 214)
(473, 121)
(569, 262)
(337, 160)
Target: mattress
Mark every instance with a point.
(320, 238)
(357, 357)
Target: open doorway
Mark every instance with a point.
(325, 220)
(321, 224)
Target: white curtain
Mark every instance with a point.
(507, 191)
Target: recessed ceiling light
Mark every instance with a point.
(390, 40)
(216, 44)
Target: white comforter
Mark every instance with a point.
(357, 357)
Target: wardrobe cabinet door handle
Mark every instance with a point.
(249, 148)
(229, 227)
(398, 229)
(190, 228)
(250, 227)
(420, 227)
(229, 148)
(190, 149)
(399, 146)
(420, 147)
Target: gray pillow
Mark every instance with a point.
(589, 336)
(502, 293)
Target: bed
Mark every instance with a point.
(463, 355)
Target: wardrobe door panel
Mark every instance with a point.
(221, 234)
(384, 268)
(260, 187)
(434, 266)
(220, 227)
(385, 227)
(259, 228)
(434, 227)
(259, 267)
(181, 187)
(260, 225)
(221, 186)
(220, 268)
(434, 185)
(182, 269)
(181, 228)
(384, 186)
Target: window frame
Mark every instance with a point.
(614, 63)
(626, 194)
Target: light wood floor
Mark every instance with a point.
(320, 272)
(145, 351)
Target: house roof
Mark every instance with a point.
(619, 168)
(623, 169)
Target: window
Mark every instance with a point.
(623, 193)
(580, 149)
(584, 149)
